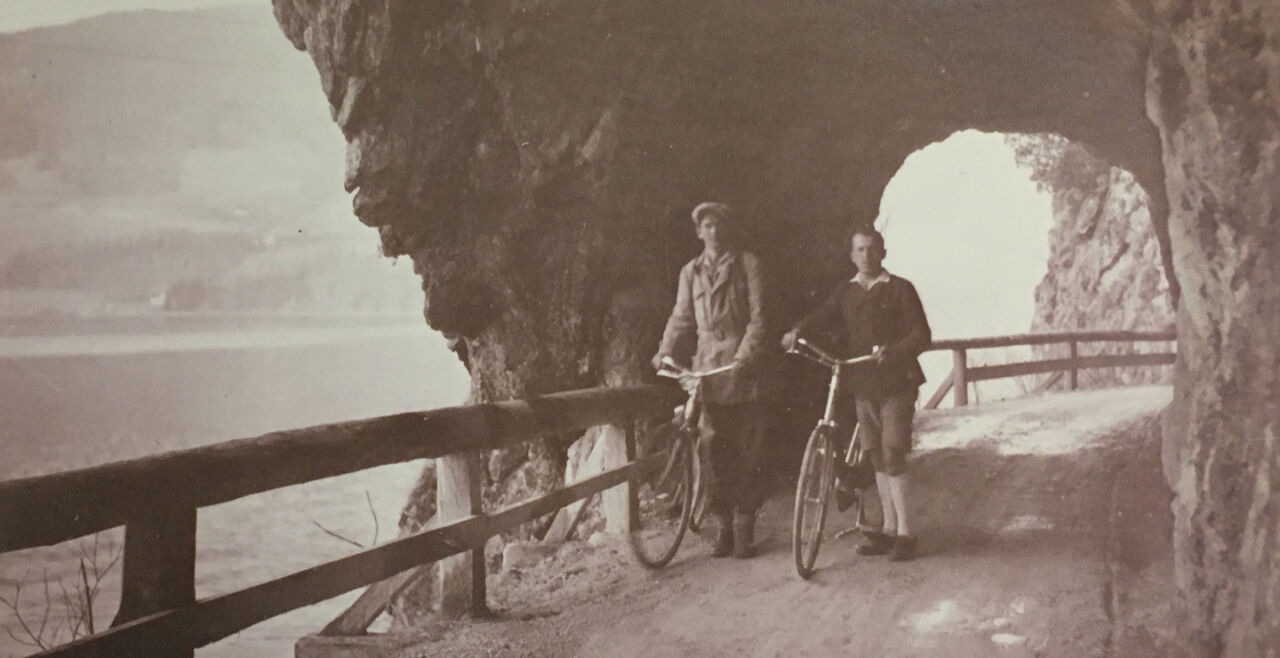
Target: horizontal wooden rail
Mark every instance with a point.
(962, 374)
(48, 509)
(212, 619)
(982, 373)
(1049, 338)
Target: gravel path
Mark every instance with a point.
(1043, 524)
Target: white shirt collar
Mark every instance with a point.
(869, 283)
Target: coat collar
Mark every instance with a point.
(721, 267)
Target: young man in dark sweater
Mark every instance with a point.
(878, 313)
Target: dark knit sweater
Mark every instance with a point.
(889, 314)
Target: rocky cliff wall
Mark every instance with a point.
(1105, 271)
(1214, 91)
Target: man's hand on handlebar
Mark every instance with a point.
(789, 339)
(667, 367)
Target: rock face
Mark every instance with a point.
(1105, 268)
(1214, 90)
(537, 159)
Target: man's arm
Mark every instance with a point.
(821, 318)
(916, 336)
(752, 346)
(682, 325)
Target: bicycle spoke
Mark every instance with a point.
(812, 493)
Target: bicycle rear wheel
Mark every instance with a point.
(813, 491)
(661, 501)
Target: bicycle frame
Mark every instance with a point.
(817, 466)
(836, 365)
(688, 415)
(660, 489)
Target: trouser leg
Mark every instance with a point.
(886, 423)
(886, 430)
(733, 442)
(751, 456)
(711, 448)
(733, 445)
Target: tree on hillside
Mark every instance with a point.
(1058, 164)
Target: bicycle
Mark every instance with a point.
(664, 491)
(817, 468)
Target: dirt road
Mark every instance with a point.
(1044, 532)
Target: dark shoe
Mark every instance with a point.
(904, 548)
(724, 536)
(744, 533)
(877, 543)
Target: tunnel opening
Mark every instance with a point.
(1010, 233)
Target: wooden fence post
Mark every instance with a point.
(1073, 374)
(460, 589)
(959, 374)
(615, 501)
(159, 571)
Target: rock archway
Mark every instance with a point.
(537, 160)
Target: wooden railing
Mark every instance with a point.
(962, 374)
(155, 498)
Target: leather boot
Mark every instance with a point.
(724, 535)
(744, 530)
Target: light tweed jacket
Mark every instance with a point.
(720, 323)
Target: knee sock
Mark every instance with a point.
(886, 503)
(898, 491)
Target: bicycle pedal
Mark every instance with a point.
(848, 531)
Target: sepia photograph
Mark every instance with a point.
(532, 328)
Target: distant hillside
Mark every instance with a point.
(143, 149)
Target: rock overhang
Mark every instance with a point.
(481, 131)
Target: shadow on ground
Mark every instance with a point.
(1044, 531)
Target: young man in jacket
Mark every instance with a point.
(878, 313)
(718, 320)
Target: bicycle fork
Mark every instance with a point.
(828, 416)
(828, 422)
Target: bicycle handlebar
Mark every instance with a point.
(826, 359)
(672, 370)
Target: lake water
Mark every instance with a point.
(72, 401)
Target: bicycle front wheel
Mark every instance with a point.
(661, 502)
(813, 491)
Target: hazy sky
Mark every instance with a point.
(25, 14)
(969, 228)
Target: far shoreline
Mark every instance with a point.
(50, 322)
(65, 335)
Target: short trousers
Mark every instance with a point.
(884, 425)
